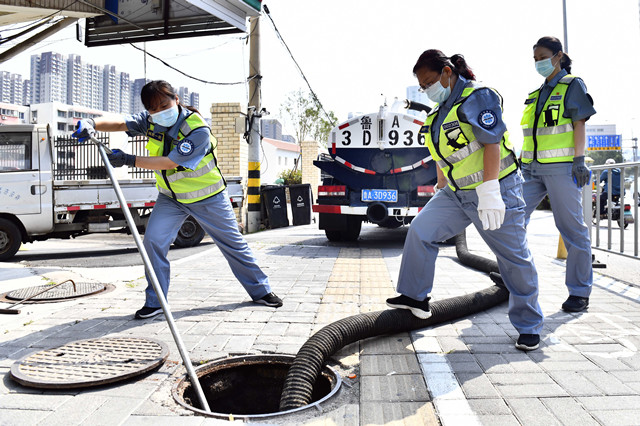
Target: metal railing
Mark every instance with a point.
(73, 160)
(620, 244)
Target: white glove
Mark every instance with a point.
(490, 205)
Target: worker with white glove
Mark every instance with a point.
(479, 183)
(553, 123)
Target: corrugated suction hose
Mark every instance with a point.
(306, 366)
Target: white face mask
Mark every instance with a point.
(437, 92)
(167, 117)
(545, 67)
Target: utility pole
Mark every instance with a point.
(254, 114)
(564, 21)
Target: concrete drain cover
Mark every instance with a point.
(92, 362)
(64, 291)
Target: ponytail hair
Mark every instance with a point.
(555, 46)
(435, 60)
(153, 93)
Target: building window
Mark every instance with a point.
(15, 155)
(62, 114)
(62, 127)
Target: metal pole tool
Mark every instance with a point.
(152, 276)
(17, 311)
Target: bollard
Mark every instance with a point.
(562, 250)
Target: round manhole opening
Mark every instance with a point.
(91, 362)
(63, 291)
(249, 387)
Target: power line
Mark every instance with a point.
(313, 94)
(190, 76)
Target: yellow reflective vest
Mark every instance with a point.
(181, 184)
(459, 154)
(548, 136)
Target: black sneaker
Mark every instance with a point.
(528, 342)
(270, 299)
(147, 312)
(575, 304)
(417, 308)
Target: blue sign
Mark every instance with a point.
(604, 142)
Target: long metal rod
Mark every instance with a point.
(154, 279)
(8, 309)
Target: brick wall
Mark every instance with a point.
(232, 148)
(310, 173)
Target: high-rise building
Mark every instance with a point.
(52, 69)
(74, 80)
(195, 100)
(414, 94)
(271, 128)
(183, 94)
(111, 89)
(26, 92)
(92, 87)
(136, 88)
(5, 86)
(34, 80)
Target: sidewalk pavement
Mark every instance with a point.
(465, 372)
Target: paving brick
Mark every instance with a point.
(397, 344)
(75, 410)
(476, 386)
(113, 411)
(530, 411)
(139, 420)
(382, 365)
(21, 401)
(617, 417)
(568, 411)
(399, 413)
(487, 406)
(498, 420)
(530, 390)
(17, 417)
(345, 415)
(575, 383)
(599, 403)
(393, 388)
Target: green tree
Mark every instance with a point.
(306, 117)
(599, 157)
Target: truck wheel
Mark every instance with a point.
(190, 234)
(391, 223)
(333, 235)
(354, 224)
(10, 239)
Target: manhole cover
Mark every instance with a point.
(90, 362)
(64, 291)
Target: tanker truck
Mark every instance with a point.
(377, 169)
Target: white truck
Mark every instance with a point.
(58, 188)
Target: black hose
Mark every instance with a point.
(473, 260)
(417, 106)
(306, 366)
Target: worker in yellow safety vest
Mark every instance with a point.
(552, 157)
(182, 153)
(478, 183)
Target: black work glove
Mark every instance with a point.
(119, 158)
(84, 129)
(580, 172)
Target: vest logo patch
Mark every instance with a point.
(157, 136)
(530, 101)
(487, 119)
(450, 125)
(555, 98)
(424, 129)
(185, 147)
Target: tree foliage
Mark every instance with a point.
(599, 157)
(306, 117)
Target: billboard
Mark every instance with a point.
(603, 137)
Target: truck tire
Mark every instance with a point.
(10, 239)
(391, 222)
(190, 234)
(354, 224)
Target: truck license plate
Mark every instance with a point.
(388, 195)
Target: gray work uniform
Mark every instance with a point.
(555, 179)
(449, 212)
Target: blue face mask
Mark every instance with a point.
(545, 67)
(437, 92)
(166, 118)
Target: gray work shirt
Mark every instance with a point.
(482, 101)
(578, 106)
(192, 148)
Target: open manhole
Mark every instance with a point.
(64, 291)
(91, 362)
(249, 387)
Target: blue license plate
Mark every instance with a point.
(388, 195)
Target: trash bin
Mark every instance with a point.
(300, 203)
(274, 200)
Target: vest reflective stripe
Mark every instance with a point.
(555, 130)
(458, 154)
(461, 154)
(550, 153)
(199, 194)
(192, 173)
(505, 163)
(184, 185)
(548, 136)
